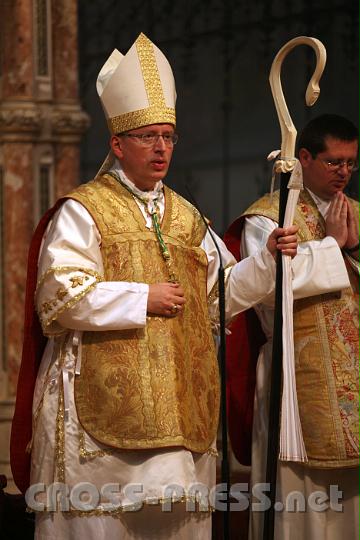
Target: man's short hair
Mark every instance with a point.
(327, 125)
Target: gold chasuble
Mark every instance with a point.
(326, 334)
(155, 386)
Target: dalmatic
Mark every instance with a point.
(326, 335)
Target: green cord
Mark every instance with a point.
(154, 217)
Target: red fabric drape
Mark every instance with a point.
(242, 350)
(33, 348)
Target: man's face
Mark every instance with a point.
(144, 164)
(325, 180)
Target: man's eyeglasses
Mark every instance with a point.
(150, 139)
(336, 164)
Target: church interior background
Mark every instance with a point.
(53, 134)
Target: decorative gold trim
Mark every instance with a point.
(50, 305)
(67, 305)
(54, 269)
(59, 457)
(142, 117)
(150, 72)
(329, 464)
(86, 454)
(123, 509)
(61, 293)
(78, 281)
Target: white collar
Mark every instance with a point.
(149, 196)
(322, 204)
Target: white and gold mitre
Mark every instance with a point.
(137, 89)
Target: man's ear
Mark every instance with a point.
(116, 146)
(305, 157)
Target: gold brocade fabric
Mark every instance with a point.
(326, 334)
(155, 386)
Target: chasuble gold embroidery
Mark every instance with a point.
(156, 386)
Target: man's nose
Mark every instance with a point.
(344, 169)
(160, 143)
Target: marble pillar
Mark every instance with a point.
(41, 123)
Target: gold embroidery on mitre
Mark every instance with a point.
(150, 72)
(157, 112)
(142, 117)
(155, 386)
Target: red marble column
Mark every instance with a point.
(18, 224)
(67, 168)
(18, 122)
(40, 119)
(65, 57)
(72, 121)
(17, 58)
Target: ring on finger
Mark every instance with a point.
(175, 308)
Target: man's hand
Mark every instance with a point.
(352, 227)
(284, 240)
(165, 299)
(336, 221)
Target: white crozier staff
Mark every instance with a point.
(291, 445)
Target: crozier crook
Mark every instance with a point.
(288, 131)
